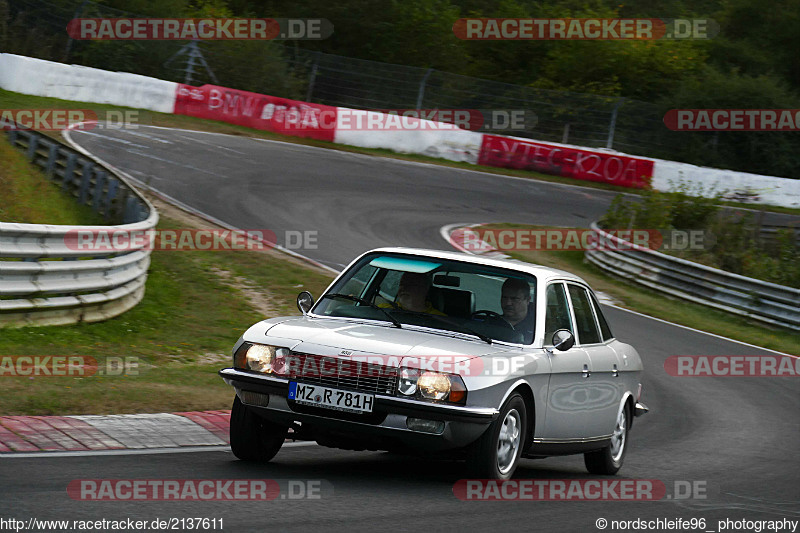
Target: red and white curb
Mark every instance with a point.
(113, 432)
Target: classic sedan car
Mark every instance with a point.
(421, 350)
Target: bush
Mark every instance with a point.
(736, 242)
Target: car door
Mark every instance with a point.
(567, 394)
(605, 386)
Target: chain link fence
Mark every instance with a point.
(286, 70)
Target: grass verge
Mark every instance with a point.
(11, 100)
(656, 304)
(196, 306)
(28, 196)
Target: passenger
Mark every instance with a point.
(412, 294)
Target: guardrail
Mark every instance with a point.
(760, 300)
(46, 281)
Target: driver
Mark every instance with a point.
(514, 300)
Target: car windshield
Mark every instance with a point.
(489, 303)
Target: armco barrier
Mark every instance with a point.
(44, 280)
(760, 300)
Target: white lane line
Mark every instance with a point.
(445, 230)
(151, 451)
(111, 139)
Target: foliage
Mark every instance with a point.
(733, 238)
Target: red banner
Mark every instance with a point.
(259, 111)
(616, 169)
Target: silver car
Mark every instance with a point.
(421, 350)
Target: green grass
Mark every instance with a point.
(28, 196)
(10, 100)
(643, 300)
(183, 329)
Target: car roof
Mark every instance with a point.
(542, 273)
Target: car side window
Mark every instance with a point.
(604, 329)
(557, 314)
(584, 318)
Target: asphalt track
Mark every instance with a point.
(737, 437)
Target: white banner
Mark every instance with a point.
(408, 135)
(84, 84)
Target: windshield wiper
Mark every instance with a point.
(352, 298)
(460, 328)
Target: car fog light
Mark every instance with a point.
(254, 398)
(426, 426)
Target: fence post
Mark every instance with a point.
(421, 93)
(565, 137)
(613, 125)
(77, 15)
(312, 77)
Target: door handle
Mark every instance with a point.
(586, 371)
(615, 371)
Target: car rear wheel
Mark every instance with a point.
(608, 461)
(252, 437)
(496, 453)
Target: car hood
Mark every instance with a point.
(337, 337)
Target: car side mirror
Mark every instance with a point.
(304, 302)
(563, 340)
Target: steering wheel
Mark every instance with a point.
(492, 316)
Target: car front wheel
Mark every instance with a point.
(496, 453)
(252, 437)
(608, 461)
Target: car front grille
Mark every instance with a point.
(341, 373)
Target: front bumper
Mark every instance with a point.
(384, 428)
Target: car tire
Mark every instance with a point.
(608, 461)
(496, 453)
(252, 437)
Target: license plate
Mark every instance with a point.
(339, 400)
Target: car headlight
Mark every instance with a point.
(434, 386)
(407, 382)
(261, 358)
(442, 387)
